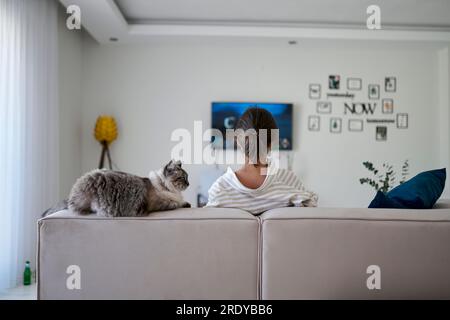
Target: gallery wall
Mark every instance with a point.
(155, 88)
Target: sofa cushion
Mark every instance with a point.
(208, 253)
(420, 192)
(324, 253)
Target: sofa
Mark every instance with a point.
(215, 253)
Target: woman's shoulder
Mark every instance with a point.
(221, 183)
(287, 177)
(283, 174)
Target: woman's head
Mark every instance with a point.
(256, 123)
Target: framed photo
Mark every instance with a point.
(354, 84)
(402, 120)
(355, 125)
(388, 106)
(314, 91)
(390, 84)
(323, 107)
(313, 123)
(374, 91)
(334, 82)
(335, 125)
(381, 133)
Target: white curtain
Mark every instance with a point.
(28, 128)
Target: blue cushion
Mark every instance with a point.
(420, 192)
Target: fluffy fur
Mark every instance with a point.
(119, 194)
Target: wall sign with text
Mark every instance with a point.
(355, 102)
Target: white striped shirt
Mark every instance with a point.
(279, 189)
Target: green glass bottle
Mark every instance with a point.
(27, 274)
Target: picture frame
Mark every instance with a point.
(402, 121)
(387, 106)
(335, 125)
(334, 82)
(315, 91)
(390, 84)
(314, 123)
(354, 84)
(381, 133)
(323, 107)
(374, 91)
(355, 125)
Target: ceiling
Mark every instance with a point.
(141, 20)
(398, 13)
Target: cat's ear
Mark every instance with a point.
(168, 168)
(171, 166)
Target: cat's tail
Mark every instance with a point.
(63, 205)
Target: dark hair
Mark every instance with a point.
(255, 118)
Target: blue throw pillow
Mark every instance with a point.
(420, 192)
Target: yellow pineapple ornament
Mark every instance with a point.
(105, 132)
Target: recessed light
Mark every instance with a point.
(292, 42)
(112, 39)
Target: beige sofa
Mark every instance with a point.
(288, 253)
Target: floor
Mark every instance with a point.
(19, 293)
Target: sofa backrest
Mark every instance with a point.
(287, 253)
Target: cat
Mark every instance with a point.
(119, 194)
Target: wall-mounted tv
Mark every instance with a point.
(226, 114)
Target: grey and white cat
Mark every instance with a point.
(119, 194)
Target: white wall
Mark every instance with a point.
(70, 61)
(153, 89)
(444, 110)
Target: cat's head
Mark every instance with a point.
(176, 175)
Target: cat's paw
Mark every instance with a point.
(186, 205)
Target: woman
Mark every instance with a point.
(257, 186)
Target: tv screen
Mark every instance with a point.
(226, 114)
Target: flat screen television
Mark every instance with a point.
(226, 114)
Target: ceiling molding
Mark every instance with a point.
(143, 31)
(104, 20)
(101, 18)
